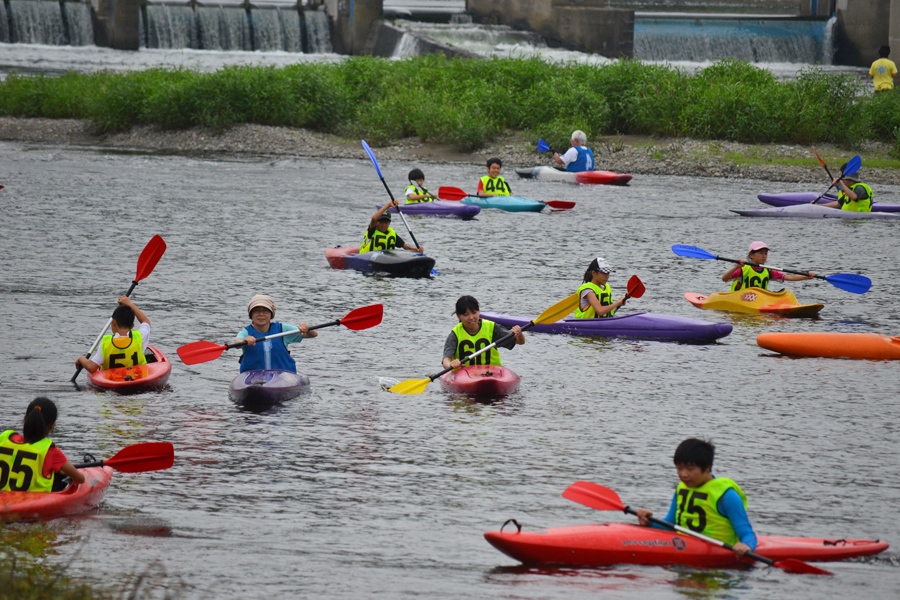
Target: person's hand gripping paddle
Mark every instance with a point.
(553, 314)
(356, 320)
(151, 254)
(602, 498)
(852, 167)
(455, 194)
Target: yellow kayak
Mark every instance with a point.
(756, 300)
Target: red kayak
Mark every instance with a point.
(139, 378)
(602, 178)
(481, 380)
(78, 497)
(615, 543)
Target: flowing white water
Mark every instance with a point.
(171, 27)
(4, 24)
(290, 29)
(407, 46)
(36, 22)
(223, 28)
(80, 29)
(266, 29)
(318, 34)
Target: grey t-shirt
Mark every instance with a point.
(499, 331)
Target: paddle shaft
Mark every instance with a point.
(502, 340)
(753, 264)
(400, 212)
(830, 176)
(700, 536)
(841, 178)
(100, 337)
(284, 333)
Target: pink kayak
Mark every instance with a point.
(481, 380)
(78, 497)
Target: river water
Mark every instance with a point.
(352, 492)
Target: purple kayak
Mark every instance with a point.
(439, 208)
(795, 198)
(267, 387)
(646, 326)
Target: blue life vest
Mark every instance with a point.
(584, 162)
(270, 354)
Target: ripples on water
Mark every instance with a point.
(352, 492)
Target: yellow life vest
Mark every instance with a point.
(856, 205)
(494, 186)
(750, 277)
(116, 355)
(470, 344)
(604, 295)
(379, 241)
(698, 511)
(22, 465)
(412, 189)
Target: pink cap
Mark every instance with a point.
(758, 246)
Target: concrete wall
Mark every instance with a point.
(863, 28)
(116, 23)
(384, 39)
(894, 31)
(585, 25)
(352, 22)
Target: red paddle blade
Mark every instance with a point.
(150, 456)
(819, 157)
(593, 495)
(446, 192)
(151, 254)
(361, 318)
(560, 204)
(636, 287)
(198, 352)
(798, 566)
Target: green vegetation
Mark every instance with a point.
(467, 103)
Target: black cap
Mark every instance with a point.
(385, 216)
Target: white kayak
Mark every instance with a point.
(587, 177)
(814, 211)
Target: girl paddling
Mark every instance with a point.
(745, 276)
(473, 333)
(595, 295)
(33, 463)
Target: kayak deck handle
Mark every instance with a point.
(514, 522)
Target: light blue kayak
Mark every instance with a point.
(510, 203)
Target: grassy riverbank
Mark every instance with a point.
(469, 103)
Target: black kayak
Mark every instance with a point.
(400, 263)
(266, 387)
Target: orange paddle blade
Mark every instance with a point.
(636, 287)
(361, 318)
(798, 566)
(198, 352)
(446, 192)
(149, 456)
(151, 254)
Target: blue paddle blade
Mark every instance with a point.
(692, 252)
(853, 165)
(542, 146)
(856, 284)
(372, 156)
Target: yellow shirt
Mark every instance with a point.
(882, 72)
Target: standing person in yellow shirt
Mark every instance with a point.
(883, 71)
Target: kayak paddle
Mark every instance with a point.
(553, 314)
(635, 288)
(138, 458)
(830, 177)
(400, 212)
(358, 319)
(849, 282)
(446, 192)
(852, 167)
(602, 498)
(150, 255)
(543, 147)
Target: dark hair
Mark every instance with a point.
(884, 51)
(39, 415)
(464, 304)
(493, 160)
(695, 452)
(589, 274)
(124, 316)
(415, 174)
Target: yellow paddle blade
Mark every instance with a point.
(410, 386)
(558, 311)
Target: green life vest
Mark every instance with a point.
(22, 465)
(470, 344)
(494, 186)
(698, 511)
(604, 295)
(379, 241)
(750, 277)
(412, 189)
(116, 355)
(856, 205)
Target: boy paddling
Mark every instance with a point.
(853, 195)
(125, 347)
(704, 503)
(381, 236)
(493, 183)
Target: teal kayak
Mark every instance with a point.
(510, 203)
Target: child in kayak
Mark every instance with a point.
(852, 194)
(33, 463)
(595, 295)
(745, 276)
(381, 236)
(473, 333)
(416, 190)
(270, 354)
(493, 183)
(713, 506)
(125, 347)
(579, 157)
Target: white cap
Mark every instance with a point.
(600, 264)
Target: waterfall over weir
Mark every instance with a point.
(46, 22)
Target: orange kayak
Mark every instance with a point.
(833, 345)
